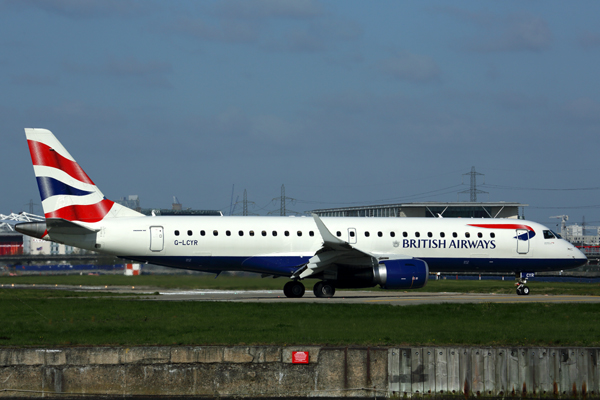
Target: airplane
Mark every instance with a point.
(341, 252)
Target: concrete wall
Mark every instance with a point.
(255, 371)
(521, 372)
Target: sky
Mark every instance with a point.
(346, 103)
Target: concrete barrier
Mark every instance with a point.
(268, 371)
(496, 372)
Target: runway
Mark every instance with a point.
(366, 297)
(341, 296)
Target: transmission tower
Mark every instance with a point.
(245, 203)
(473, 191)
(245, 212)
(283, 211)
(282, 207)
(31, 204)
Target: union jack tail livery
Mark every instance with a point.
(67, 192)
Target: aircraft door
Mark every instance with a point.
(157, 238)
(522, 241)
(352, 235)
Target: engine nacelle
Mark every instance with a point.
(401, 274)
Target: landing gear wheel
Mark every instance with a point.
(522, 289)
(294, 289)
(324, 289)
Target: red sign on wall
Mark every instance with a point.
(299, 357)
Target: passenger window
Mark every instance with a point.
(286, 233)
(442, 234)
(479, 234)
(380, 234)
(202, 233)
(417, 234)
(251, 233)
(492, 235)
(467, 235)
(189, 233)
(274, 233)
(299, 233)
(216, 233)
(338, 234)
(241, 233)
(393, 234)
(351, 233)
(264, 233)
(176, 233)
(367, 234)
(405, 234)
(429, 234)
(311, 233)
(454, 234)
(228, 233)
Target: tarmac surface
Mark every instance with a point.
(341, 296)
(367, 297)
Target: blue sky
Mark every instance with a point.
(344, 102)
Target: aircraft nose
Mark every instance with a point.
(579, 255)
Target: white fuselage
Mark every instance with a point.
(280, 245)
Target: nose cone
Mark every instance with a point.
(579, 256)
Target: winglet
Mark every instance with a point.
(328, 239)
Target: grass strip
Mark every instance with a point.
(61, 322)
(255, 283)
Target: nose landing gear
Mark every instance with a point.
(522, 289)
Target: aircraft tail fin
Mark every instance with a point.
(65, 189)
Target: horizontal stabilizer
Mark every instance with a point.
(64, 227)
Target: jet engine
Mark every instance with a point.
(401, 274)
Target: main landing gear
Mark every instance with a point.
(324, 289)
(522, 289)
(295, 289)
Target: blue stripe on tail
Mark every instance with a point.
(51, 187)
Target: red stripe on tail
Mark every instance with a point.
(90, 213)
(42, 154)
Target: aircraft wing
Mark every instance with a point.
(337, 251)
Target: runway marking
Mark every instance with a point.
(503, 299)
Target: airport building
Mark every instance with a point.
(430, 210)
(15, 243)
(133, 202)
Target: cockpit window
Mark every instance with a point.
(556, 234)
(549, 235)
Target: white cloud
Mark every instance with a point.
(149, 73)
(410, 67)
(589, 40)
(84, 8)
(583, 109)
(263, 9)
(518, 32)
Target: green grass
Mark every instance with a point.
(33, 319)
(255, 283)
